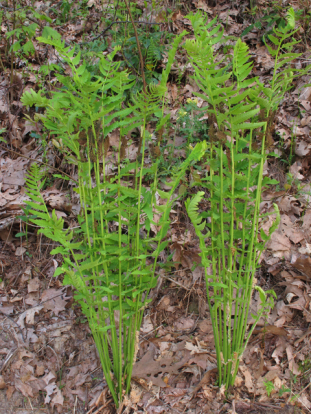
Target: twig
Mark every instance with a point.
(74, 408)
(53, 350)
(141, 60)
(176, 283)
(9, 356)
(15, 323)
(138, 47)
(30, 404)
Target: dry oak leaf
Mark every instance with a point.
(293, 366)
(195, 349)
(303, 264)
(25, 389)
(279, 350)
(205, 380)
(54, 300)
(33, 285)
(248, 378)
(294, 170)
(151, 370)
(272, 330)
(12, 172)
(50, 389)
(29, 316)
(303, 399)
(307, 221)
(289, 204)
(302, 148)
(58, 398)
(287, 228)
(278, 242)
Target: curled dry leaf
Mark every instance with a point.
(150, 370)
(302, 148)
(279, 350)
(28, 316)
(303, 264)
(248, 379)
(294, 170)
(54, 300)
(293, 366)
(271, 329)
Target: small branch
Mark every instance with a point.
(138, 47)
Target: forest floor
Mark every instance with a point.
(48, 359)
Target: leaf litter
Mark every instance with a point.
(47, 353)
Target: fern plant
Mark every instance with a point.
(111, 267)
(240, 111)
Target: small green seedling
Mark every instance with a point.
(269, 387)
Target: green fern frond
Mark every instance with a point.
(291, 18)
(241, 65)
(201, 29)
(192, 206)
(32, 189)
(31, 98)
(171, 57)
(152, 56)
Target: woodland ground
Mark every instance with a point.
(48, 360)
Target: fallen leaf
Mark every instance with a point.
(151, 370)
(205, 380)
(20, 251)
(54, 300)
(29, 315)
(303, 264)
(293, 366)
(302, 148)
(306, 220)
(272, 330)
(294, 170)
(25, 389)
(248, 379)
(33, 285)
(58, 398)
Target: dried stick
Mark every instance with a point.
(138, 47)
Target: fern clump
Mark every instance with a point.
(240, 111)
(110, 266)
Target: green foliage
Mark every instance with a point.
(67, 10)
(283, 390)
(23, 35)
(269, 387)
(153, 43)
(24, 30)
(109, 264)
(240, 111)
(274, 16)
